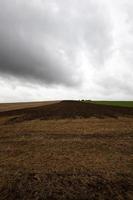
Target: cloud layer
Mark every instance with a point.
(41, 40)
(57, 43)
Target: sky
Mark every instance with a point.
(58, 49)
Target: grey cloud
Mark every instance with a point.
(118, 84)
(127, 50)
(40, 40)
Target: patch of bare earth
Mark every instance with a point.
(66, 159)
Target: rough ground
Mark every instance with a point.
(67, 109)
(66, 159)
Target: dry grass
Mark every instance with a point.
(66, 159)
(16, 106)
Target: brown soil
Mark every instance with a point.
(66, 159)
(67, 109)
(66, 186)
(81, 159)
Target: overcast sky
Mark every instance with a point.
(66, 49)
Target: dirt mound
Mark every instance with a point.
(67, 109)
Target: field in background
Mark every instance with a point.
(14, 106)
(115, 103)
(17, 106)
(66, 159)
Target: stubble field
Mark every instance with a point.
(71, 158)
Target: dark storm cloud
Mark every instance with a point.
(41, 40)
